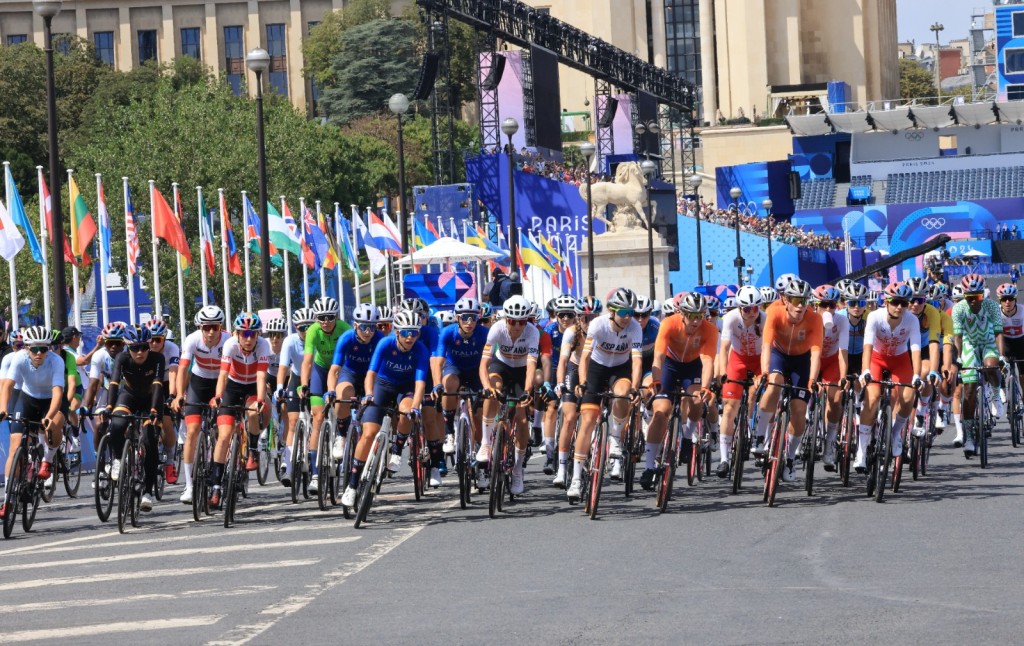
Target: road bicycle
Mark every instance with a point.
(376, 468)
(775, 460)
(24, 488)
(465, 448)
(236, 476)
(744, 424)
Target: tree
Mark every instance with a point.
(325, 40)
(915, 81)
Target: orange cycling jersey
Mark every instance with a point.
(793, 338)
(676, 344)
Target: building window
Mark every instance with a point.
(1017, 18)
(62, 43)
(278, 58)
(682, 36)
(1015, 92)
(314, 87)
(190, 42)
(16, 39)
(234, 54)
(104, 43)
(1013, 60)
(147, 45)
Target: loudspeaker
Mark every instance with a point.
(494, 74)
(605, 120)
(428, 74)
(794, 185)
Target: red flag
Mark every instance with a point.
(167, 227)
(69, 254)
(234, 264)
(569, 280)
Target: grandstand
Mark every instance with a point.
(954, 185)
(816, 194)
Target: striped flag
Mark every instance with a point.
(234, 264)
(132, 236)
(206, 235)
(341, 226)
(104, 217)
(332, 245)
(182, 260)
(69, 254)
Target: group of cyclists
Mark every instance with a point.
(691, 363)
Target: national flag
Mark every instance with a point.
(104, 216)
(440, 228)
(384, 237)
(362, 234)
(552, 256)
(131, 235)
(477, 238)
(333, 254)
(253, 231)
(206, 235)
(570, 280)
(234, 264)
(344, 231)
(422, 235)
(186, 264)
(431, 228)
(530, 254)
(283, 231)
(83, 227)
(20, 218)
(314, 240)
(167, 228)
(69, 253)
(373, 253)
(11, 240)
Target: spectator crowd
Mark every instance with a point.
(752, 223)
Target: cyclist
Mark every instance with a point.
(714, 308)
(739, 353)
(242, 381)
(396, 378)
(611, 360)
(541, 384)
(197, 381)
(790, 352)
(768, 296)
(855, 298)
(172, 358)
(1013, 326)
(937, 294)
(455, 363)
(73, 388)
(321, 339)
(834, 363)
(587, 309)
(17, 344)
(136, 388)
(101, 369)
(486, 315)
(930, 323)
(509, 364)
(289, 375)
(892, 342)
(563, 317)
(274, 331)
(349, 365)
(978, 335)
(40, 376)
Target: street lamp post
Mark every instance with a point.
(767, 205)
(735, 192)
(510, 126)
(937, 27)
(47, 9)
(695, 182)
(643, 128)
(709, 266)
(750, 275)
(258, 61)
(399, 105)
(649, 168)
(588, 149)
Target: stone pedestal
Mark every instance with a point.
(620, 260)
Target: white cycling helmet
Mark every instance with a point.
(406, 320)
(36, 335)
(749, 296)
(692, 303)
(517, 308)
(384, 314)
(621, 298)
(644, 305)
(798, 288)
(325, 305)
(303, 316)
(467, 306)
(445, 317)
(278, 325)
(729, 304)
(782, 281)
(210, 315)
(365, 313)
(768, 295)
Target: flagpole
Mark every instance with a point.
(181, 283)
(323, 276)
(103, 251)
(202, 250)
(10, 263)
(373, 282)
(355, 253)
(340, 260)
(248, 278)
(128, 271)
(42, 235)
(224, 253)
(158, 306)
(287, 274)
(305, 269)
(76, 300)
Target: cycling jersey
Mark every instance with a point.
(931, 325)
(70, 367)
(138, 379)
(544, 342)
(321, 345)
(649, 335)
(171, 353)
(1013, 324)
(101, 367)
(242, 367)
(836, 338)
(353, 355)
(37, 382)
(429, 335)
(292, 354)
(978, 329)
(792, 338)
(568, 338)
(682, 347)
(610, 347)
(204, 360)
(459, 351)
(396, 366)
(887, 341)
(516, 353)
(5, 366)
(743, 340)
(556, 340)
(855, 332)
(946, 325)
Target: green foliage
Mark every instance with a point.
(915, 81)
(324, 42)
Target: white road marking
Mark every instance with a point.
(116, 576)
(187, 551)
(77, 632)
(78, 603)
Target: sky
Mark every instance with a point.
(914, 17)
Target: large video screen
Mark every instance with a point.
(546, 98)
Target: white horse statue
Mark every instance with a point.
(629, 190)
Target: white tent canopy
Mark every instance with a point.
(976, 253)
(447, 250)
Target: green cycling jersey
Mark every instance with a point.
(321, 345)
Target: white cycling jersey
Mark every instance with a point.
(836, 337)
(172, 356)
(5, 366)
(568, 338)
(292, 353)
(512, 353)
(242, 367)
(889, 341)
(744, 340)
(1013, 325)
(204, 361)
(610, 347)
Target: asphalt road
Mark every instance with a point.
(936, 563)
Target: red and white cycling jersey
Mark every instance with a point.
(512, 353)
(244, 367)
(744, 341)
(205, 361)
(890, 342)
(837, 337)
(610, 347)
(1013, 325)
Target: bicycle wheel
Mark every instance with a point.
(599, 455)
(497, 468)
(916, 453)
(137, 474)
(1013, 407)
(883, 457)
(103, 488)
(897, 462)
(848, 435)
(462, 439)
(668, 464)
(372, 473)
(346, 466)
(419, 478)
(230, 489)
(263, 468)
(124, 487)
(809, 460)
(323, 466)
(776, 459)
(739, 444)
(298, 460)
(275, 449)
(200, 477)
(630, 451)
(12, 491)
(691, 466)
(32, 493)
(981, 429)
(49, 488)
(161, 481)
(72, 473)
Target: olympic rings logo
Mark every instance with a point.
(933, 223)
(913, 136)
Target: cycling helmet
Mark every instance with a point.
(939, 290)
(713, 303)
(486, 310)
(136, 334)
(897, 291)
(856, 292)
(842, 284)
(550, 308)
(958, 293)
(692, 303)
(655, 307)
(729, 304)
(303, 316)
(1007, 290)
(407, 320)
(384, 314)
(17, 337)
(798, 288)
(157, 327)
(249, 321)
(467, 306)
(748, 296)
(875, 296)
(325, 305)
(36, 335)
(445, 317)
(919, 286)
(414, 305)
(826, 294)
(644, 305)
(534, 312)
(622, 298)
(277, 325)
(972, 284)
(365, 313)
(517, 308)
(210, 315)
(113, 331)
(782, 281)
(768, 295)
(668, 308)
(565, 304)
(588, 305)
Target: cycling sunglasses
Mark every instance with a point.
(302, 328)
(275, 335)
(797, 300)
(383, 327)
(750, 309)
(917, 301)
(1007, 299)
(211, 328)
(138, 347)
(249, 334)
(468, 318)
(326, 318)
(693, 316)
(567, 315)
(114, 344)
(39, 349)
(857, 303)
(408, 334)
(515, 322)
(625, 312)
(645, 315)
(828, 305)
(973, 298)
(157, 339)
(365, 327)
(898, 302)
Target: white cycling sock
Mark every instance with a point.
(48, 454)
(288, 456)
(188, 474)
(958, 421)
(485, 439)
(724, 446)
(831, 430)
(898, 422)
(651, 455)
(763, 420)
(689, 429)
(538, 417)
(563, 457)
(520, 458)
(615, 427)
(577, 466)
(792, 445)
(864, 439)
